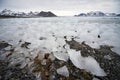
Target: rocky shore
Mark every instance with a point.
(49, 67)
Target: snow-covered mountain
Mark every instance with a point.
(111, 14)
(9, 13)
(97, 14)
(82, 14)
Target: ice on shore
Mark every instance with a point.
(87, 63)
(53, 32)
(63, 71)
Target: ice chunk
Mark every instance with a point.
(7, 48)
(91, 65)
(87, 63)
(61, 56)
(63, 71)
(61, 53)
(76, 58)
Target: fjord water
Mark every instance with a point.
(53, 29)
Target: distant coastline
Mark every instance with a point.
(12, 14)
(97, 14)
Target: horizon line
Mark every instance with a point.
(57, 12)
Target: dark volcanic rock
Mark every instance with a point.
(46, 14)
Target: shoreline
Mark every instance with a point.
(47, 66)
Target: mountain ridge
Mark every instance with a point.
(12, 14)
(97, 14)
(8, 14)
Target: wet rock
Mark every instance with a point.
(14, 73)
(75, 31)
(58, 63)
(38, 66)
(43, 66)
(107, 57)
(3, 44)
(75, 45)
(11, 52)
(88, 31)
(42, 38)
(46, 55)
(25, 45)
(24, 71)
(93, 42)
(65, 37)
(106, 47)
(99, 36)
(20, 41)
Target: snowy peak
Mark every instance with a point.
(96, 13)
(111, 14)
(6, 12)
(82, 14)
(9, 13)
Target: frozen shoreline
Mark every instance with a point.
(82, 29)
(107, 60)
(64, 45)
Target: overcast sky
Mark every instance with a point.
(62, 7)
